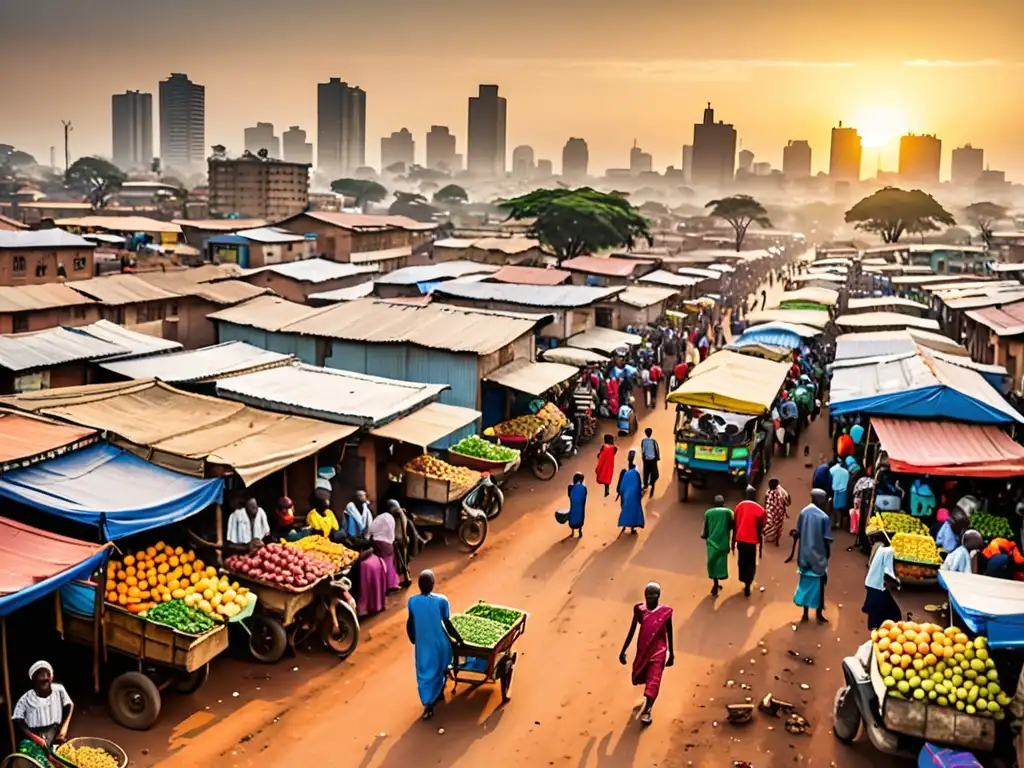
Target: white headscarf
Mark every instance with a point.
(881, 566)
(39, 665)
(382, 528)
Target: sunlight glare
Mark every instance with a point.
(878, 126)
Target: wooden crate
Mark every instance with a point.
(425, 488)
(941, 725)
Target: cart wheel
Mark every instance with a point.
(346, 639)
(472, 532)
(193, 681)
(134, 701)
(493, 502)
(544, 466)
(267, 639)
(683, 489)
(506, 676)
(845, 715)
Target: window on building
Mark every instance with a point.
(79, 263)
(19, 322)
(40, 269)
(18, 265)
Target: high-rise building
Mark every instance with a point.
(261, 136)
(255, 187)
(341, 128)
(746, 162)
(399, 147)
(687, 163)
(441, 149)
(295, 147)
(920, 158)
(845, 154)
(796, 160)
(523, 161)
(967, 166)
(714, 151)
(544, 169)
(761, 169)
(132, 129)
(485, 151)
(575, 159)
(182, 124)
(639, 161)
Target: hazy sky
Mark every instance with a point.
(610, 72)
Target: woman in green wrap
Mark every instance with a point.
(718, 525)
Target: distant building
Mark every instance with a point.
(341, 128)
(714, 151)
(132, 129)
(845, 154)
(458, 163)
(399, 147)
(522, 161)
(261, 189)
(640, 161)
(746, 162)
(182, 124)
(485, 153)
(992, 180)
(796, 160)
(544, 169)
(967, 166)
(920, 158)
(261, 136)
(575, 159)
(295, 147)
(761, 169)
(688, 163)
(32, 257)
(441, 149)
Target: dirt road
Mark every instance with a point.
(572, 703)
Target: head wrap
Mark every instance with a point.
(323, 484)
(39, 666)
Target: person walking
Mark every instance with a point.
(718, 525)
(606, 464)
(629, 493)
(577, 505)
(429, 619)
(776, 506)
(654, 646)
(748, 537)
(840, 477)
(650, 453)
(813, 540)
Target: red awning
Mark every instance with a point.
(949, 448)
(23, 438)
(29, 556)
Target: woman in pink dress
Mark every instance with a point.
(654, 646)
(776, 504)
(382, 535)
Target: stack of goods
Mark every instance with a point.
(551, 414)
(924, 662)
(86, 757)
(896, 522)
(519, 429)
(917, 556)
(338, 555)
(991, 526)
(281, 566)
(507, 617)
(477, 631)
(179, 615)
(151, 576)
(433, 467)
(478, 448)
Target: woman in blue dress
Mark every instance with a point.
(428, 619)
(629, 493)
(577, 505)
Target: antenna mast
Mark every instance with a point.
(67, 145)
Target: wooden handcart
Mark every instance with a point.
(474, 665)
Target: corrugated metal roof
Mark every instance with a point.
(314, 270)
(884, 302)
(530, 275)
(855, 346)
(966, 362)
(437, 326)
(822, 277)
(270, 235)
(220, 225)
(10, 225)
(365, 222)
(373, 257)
(595, 265)
(227, 292)
(268, 313)
(429, 424)
(812, 317)
(532, 378)
(882, 320)
(26, 298)
(662, 277)
(603, 339)
(135, 342)
(351, 293)
(508, 245)
(645, 296)
(333, 395)
(41, 238)
(54, 346)
(991, 300)
(114, 290)
(425, 273)
(562, 296)
(707, 274)
(120, 224)
(203, 364)
(573, 356)
(1007, 320)
(824, 296)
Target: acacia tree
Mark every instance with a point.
(574, 222)
(890, 212)
(451, 193)
(740, 211)
(363, 191)
(983, 215)
(95, 179)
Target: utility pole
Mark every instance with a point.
(67, 146)
(53, 157)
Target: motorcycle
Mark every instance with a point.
(540, 459)
(564, 445)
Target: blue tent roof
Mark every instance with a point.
(990, 607)
(111, 488)
(776, 334)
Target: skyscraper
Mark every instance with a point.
(746, 162)
(485, 152)
(845, 154)
(341, 128)
(441, 149)
(261, 136)
(575, 159)
(132, 129)
(687, 163)
(544, 169)
(920, 158)
(639, 161)
(399, 147)
(522, 161)
(296, 148)
(714, 151)
(182, 124)
(796, 160)
(967, 166)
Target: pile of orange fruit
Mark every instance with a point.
(154, 575)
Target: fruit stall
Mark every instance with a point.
(485, 654)
(451, 498)
(484, 456)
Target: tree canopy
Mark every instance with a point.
(95, 178)
(363, 191)
(451, 193)
(574, 222)
(413, 205)
(890, 212)
(740, 211)
(983, 215)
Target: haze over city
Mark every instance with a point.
(606, 72)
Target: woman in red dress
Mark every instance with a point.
(606, 463)
(654, 649)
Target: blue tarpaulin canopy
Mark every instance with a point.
(990, 607)
(111, 488)
(776, 334)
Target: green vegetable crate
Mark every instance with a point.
(483, 456)
(487, 655)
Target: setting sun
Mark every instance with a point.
(878, 126)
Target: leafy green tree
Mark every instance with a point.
(740, 211)
(95, 179)
(890, 212)
(574, 222)
(983, 215)
(412, 205)
(451, 193)
(363, 191)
